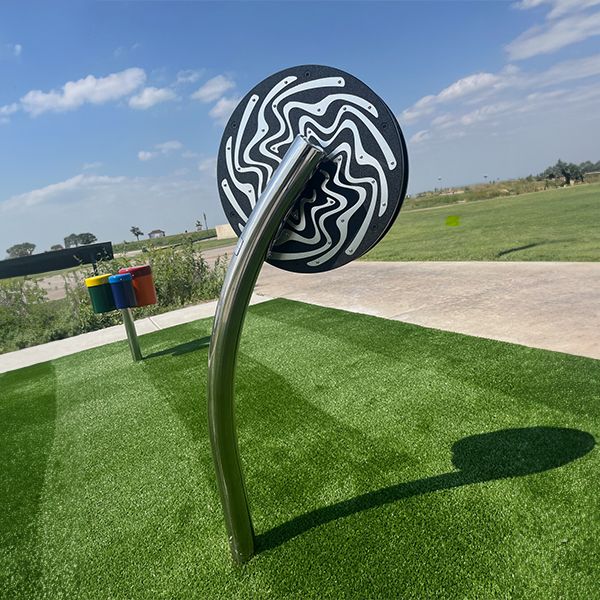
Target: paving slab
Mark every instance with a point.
(549, 305)
(553, 306)
(52, 350)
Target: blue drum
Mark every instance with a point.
(122, 290)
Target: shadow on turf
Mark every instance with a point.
(528, 246)
(183, 348)
(478, 458)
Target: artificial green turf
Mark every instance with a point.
(383, 460)
(558, 225)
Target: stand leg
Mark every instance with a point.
(283, 189)
(132, 338)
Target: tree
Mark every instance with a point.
(568, 171)
(71, 240)
(198, 225)
(137, 232)
(205, 223)
(86, 238)
(24, 249)
(56, 247)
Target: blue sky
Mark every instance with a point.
(111, 113)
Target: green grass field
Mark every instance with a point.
(561, 225)
(168, 240)
(383, 460)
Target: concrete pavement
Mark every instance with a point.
(554, 306)
(549, 305)
(52, 350)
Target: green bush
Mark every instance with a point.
(27, 318)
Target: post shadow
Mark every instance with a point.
(485, 457)
(184, 348)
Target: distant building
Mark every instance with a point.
(156, 233)
(225, 231)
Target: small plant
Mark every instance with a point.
(182, 276)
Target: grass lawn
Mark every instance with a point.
(208, 244)
(167, 240)
(561, 224)
(383, 460)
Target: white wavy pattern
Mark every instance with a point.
(320, 230)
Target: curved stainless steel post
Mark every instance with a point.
(283, 189)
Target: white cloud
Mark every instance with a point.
(208, 165)
(187, 76)
(221, 111)
(554, 35)
(504, 101)
(10, 51)
(90, 89)
(213, 89)
(559, 7)
(9, 109)
(49, 192)
(420, 136)
(189, 154)
(162, 148)
(150, 96)
(122, 50)
(510, 83)
(467, 85)
(89, 166)
(484, 113)
(89, 203)
(166, 147)
(567, 70)
(460, 88)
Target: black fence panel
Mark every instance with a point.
(55, 260)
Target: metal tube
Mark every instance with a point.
(132, 338)
(283, 189)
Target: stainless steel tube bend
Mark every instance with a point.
(283, 189)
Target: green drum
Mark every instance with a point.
(100, 293)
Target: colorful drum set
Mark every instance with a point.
(131, 287)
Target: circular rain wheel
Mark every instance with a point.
(358, 189)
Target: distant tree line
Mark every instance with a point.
(79, 239)
(24, 249)
(75, 239)
(570, 172)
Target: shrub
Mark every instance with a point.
(27, 318)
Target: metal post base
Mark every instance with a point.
(283, 189)
(132, 338)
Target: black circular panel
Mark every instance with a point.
(357, 192)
